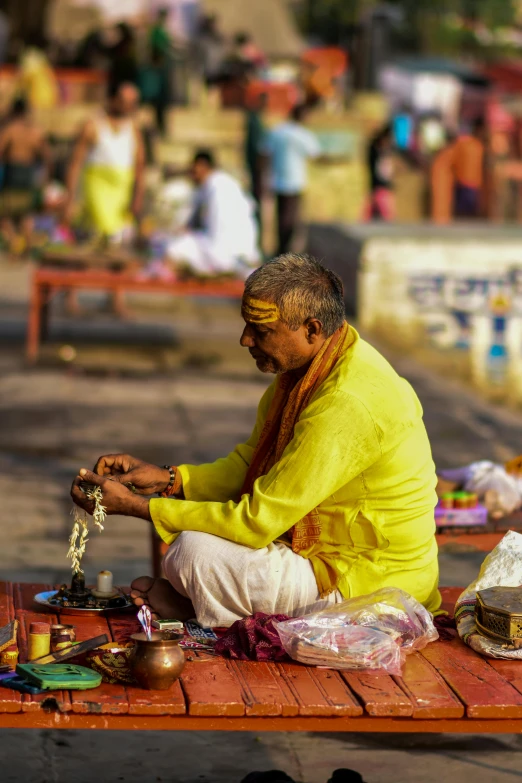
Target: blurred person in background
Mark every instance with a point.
(160, 49)
(457, 176)
(26, 159)
(403, 129)
(210, 50)
(122, 55)
(289, 146)
(381, 202)
(468, 167)
(248, 52)
(221, 235)
(110, 155)
(255, 133)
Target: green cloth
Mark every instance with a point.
(159, 42)
(254, 137)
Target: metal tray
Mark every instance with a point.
(43, 600)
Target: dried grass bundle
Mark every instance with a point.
(81, 528)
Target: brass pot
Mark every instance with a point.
(156, 664)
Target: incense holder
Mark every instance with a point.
(156, 664)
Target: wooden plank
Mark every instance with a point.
(450, 596)
(211, 689)
(509, 670)
(380, 695)
(485, 693)
(107, 699)
(261, 685)
(427, 691)
(24, 592)
(10, 701)
(319, 691)
(169, 702)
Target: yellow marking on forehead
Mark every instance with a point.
(256, 311)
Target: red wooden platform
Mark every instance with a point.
(446, 688)
(47, 282)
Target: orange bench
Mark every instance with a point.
(445, 688)
(46, 282)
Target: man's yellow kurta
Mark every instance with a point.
(360, 457)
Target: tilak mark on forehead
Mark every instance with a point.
(256, 311)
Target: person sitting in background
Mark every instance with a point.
(110, 153)
(23, 147)
(221, 236)
(381, 203)
(289, 146)
(331, 497)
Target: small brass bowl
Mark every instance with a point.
(157, 664)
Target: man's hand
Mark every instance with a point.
(147, 479)
(117, 499)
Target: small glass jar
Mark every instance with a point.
(62, 636)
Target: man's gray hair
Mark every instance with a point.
(302, 288)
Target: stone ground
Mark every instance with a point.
(173, 384)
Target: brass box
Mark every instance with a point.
(498, 614)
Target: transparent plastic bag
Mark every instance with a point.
(371, 632)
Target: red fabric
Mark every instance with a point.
(253, 639)
(446, 627)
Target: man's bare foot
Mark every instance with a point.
(161, 598)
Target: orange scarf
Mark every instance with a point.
(290, 399)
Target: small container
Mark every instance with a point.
(472, 500)
(168, 625)
(447, 500)
(461, 500)
(62, 636)
(39, 641)
(156, 664)
(9, 656)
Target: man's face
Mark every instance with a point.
(276, 348)
(126, 101)
(200, 171)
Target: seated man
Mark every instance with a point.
(222, 233)
(333, 494)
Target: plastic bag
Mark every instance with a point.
(371, 632)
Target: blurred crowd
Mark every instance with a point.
(96, 191)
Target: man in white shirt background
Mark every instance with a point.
(221, 235)
(289, 146)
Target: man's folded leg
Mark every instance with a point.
(227, 581)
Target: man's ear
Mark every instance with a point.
(314, 329)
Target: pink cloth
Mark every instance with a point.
(380, 205)
(253, 639)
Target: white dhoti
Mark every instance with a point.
(206, 257)
(227, 581)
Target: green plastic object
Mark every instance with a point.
(59, 676)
